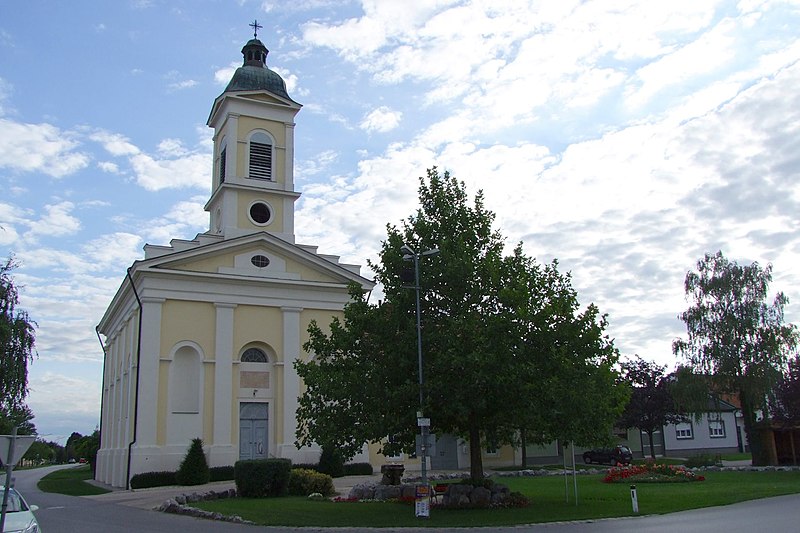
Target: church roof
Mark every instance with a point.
(254, 75)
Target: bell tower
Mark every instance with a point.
(253, 174)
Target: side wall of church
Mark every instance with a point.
(119, 384)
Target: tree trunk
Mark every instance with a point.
(475, 451)
(524, 449)
(652, 448)
(753, 438)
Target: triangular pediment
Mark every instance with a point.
(261, 256)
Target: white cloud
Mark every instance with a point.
(114, 143)
(189, 171)
(180, 85)
(381, 120)
(57, 220)
(108, 166)
(223, 75)
(40, 148)
(183, 220)
(67, 396)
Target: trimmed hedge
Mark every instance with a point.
(306, 466)
(358, 469)
(153, 479)
(262, 478)
(221, 473)
(303, 482)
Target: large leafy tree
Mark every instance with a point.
(499, 334)
(651, 405)
(17, 338)
(570, 391)
(735, 335)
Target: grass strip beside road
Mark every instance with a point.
(548, 502)
(70, 481)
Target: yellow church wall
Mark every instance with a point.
(307, 273)
(245, 198)
(503, 456)
(376, 458)
(253, 323)
(210, 264)
(278, 132)
(182, 320)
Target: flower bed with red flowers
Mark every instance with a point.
(650, 473)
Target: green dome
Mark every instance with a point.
(254, 75)
(251, 78)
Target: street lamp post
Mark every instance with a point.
(410, 254)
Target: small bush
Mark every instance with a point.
(194, 467)
(331, 462)
(358, 469)
(153, 479)
(262, 478)
(303, 482)
(221, 473)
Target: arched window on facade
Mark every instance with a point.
(260, 156)
(254, 355)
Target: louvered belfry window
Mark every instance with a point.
(260, 157)
(222, 165)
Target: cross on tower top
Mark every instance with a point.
(256, 26)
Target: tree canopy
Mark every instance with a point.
(506, 346)
(785, 404)
(17, 338)
(734, 335)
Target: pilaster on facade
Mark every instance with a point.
(148, 360)
(291, 381)
(223, 374)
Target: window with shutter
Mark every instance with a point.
(222, 165)
(260, 157)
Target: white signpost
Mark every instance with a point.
(12, 448)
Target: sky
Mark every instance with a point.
(624, 138)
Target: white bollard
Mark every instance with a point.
(634, 500)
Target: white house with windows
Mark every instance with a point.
(715, 431)
(202, 334)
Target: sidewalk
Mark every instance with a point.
(153, 497)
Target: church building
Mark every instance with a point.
(202, 334)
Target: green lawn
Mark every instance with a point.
(547, 494)
(70, 481)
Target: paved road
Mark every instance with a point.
(119, 513)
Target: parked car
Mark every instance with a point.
(619, 454)
(19, 515)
